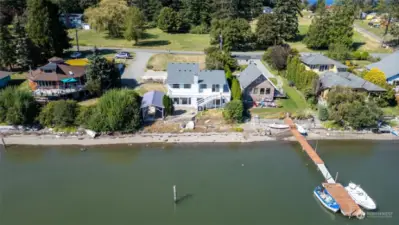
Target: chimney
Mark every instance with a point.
(195, 78)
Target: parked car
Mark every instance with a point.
(76, 55)
(123, 55)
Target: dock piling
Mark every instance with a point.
(174, 194)
(336, 177)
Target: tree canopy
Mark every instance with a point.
(267, 32)
(236, 34)
(101, 75)
(134, 24)
(377, 77)
(287, 12)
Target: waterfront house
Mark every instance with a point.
(329, 80)
(189, 86)
(320, 63)
(56, 79)
(390, 66)
(256, 88)
(5, 77)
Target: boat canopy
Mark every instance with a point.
(68, 80)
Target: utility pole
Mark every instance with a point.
(77, 39)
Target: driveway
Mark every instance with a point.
(368, 33)
(135, 70)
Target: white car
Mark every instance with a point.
(76, 55)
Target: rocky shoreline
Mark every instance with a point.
(186, 137)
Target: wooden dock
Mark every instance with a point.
(347, 204)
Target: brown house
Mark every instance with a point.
(257, 89)
(57, 79)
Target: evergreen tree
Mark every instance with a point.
(23, 46)
(7, 54)
(84, 4)
(342, 19)
(235, 89)
(176, 5)
(256, 8)
(266, 31)
(287, 12)
(169, 20)
(44, 28)
(198, 11)
(150, 8)
(318, 36)
(223, 9)
(134, 24)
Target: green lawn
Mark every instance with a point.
(154, 38)
(391, 111)
(377, 31)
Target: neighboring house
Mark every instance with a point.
(5, 77)
(189, 86)
(257, 89)
(329, 80)
(320, 63)
(390, 66)
(72, 20)
(267, 10)
(57, 79)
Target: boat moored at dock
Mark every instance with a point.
(326, 199)
(360, 196)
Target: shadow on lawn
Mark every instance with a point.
(153, 43)
(357, 45)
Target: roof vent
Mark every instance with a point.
(71, 73)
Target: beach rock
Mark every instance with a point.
(91, 133)
(190, 125)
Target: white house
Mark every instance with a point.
(189, 86)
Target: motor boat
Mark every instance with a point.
(360, 196)
(326, 199)
(301, 129)
(279, 126)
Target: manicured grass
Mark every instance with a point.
(143, 88)
(154, 38)
(90, 102)
(377, 31)
(391, 111)
(159, 62)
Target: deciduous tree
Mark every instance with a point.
(234, 111)
(376, 76)
(338, 52)
(169, 20)
(134, 24)
(108, 15)
(235, 89)
(7, 54)
(218, 60)
(287, 12)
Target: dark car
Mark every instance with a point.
(123, 55)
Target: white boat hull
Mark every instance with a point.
(360, 197)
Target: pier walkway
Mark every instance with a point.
(337, 191)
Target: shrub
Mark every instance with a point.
(238, 129)
(168, 104)
(84, 115)
(234, 111)
(235, 89)
(200, 29)
(323, 113)
(277, 56)
(17, 107)
(117, 110)
(59, 114)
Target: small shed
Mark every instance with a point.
(152, 105)
(5, 77)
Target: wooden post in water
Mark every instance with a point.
(174, 194)
(3, 143)
(336, 177)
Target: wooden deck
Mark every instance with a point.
(304, 143)
(347, 205)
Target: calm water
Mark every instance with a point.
(328, 2)
(265, 183)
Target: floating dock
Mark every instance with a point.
(347, 204)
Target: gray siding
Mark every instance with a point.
(259, 90)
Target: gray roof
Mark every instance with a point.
(183, 73)
(319, 59)
(4, 74)
(210, 77)
(346, 79)
(152, 98)
(249, 75)
(389, 65)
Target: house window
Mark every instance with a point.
(268, 91)
(177, 86)
(185, 101)
(312, 67)
(187, 86)
(203, 86)
(215, 88)
(323, 67)
(176, 101)
(217, 102)
(226, 88)
(262, 91)
(256, 91)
